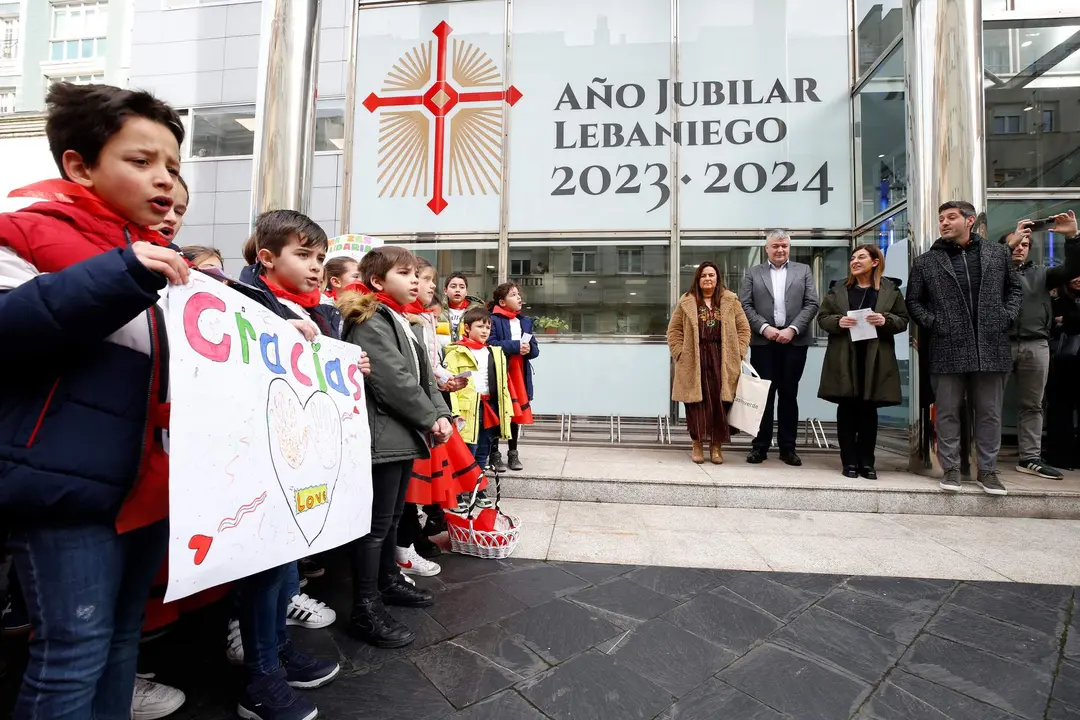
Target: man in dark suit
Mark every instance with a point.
(780, 302)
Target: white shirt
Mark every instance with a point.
(515, 329)
(480, 377)
(413, 342)
(778, 278)
(455, 322)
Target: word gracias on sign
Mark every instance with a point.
(329, 375)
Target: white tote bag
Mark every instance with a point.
(750, 398)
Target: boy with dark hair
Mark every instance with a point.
(291, 249)
(484, 403)
(84, 413)
(407, 416)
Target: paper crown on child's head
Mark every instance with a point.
(352, 246)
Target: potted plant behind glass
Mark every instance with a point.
(551, 325)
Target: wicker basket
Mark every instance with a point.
(466, 539)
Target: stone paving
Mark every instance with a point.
(525, 640)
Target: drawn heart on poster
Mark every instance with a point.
(305, 447)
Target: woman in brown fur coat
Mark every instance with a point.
(708, 337)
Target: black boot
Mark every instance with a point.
(513, 461)
(495, 462)
(425, 548)
(401, 593)
(371, 623)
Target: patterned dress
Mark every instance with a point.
(707, 419)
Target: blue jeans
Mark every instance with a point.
(263, 600)
(485, 437)
(86, 590)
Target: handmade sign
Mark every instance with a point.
(270, 454)
(352, 246)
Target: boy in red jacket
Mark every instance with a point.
(83, 394)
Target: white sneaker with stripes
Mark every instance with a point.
(308, 612)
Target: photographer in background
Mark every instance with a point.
(1030, 333)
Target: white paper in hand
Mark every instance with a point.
(862, 330)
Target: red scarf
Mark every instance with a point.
(357, 287)
(306, 300)
(99, 228)
(471, 344)
(500, 310)
(417, 308)
(460, 306)
(390, 302)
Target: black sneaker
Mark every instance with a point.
(513, 461)
(495, 462)
(269, 697)
(951, 481)
(311, 569)
(756, 457)
(990, 483)
(403, 594)
(15, 619)
(306, 672)
(1039, 468)
(426, 549)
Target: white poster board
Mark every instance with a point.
(270, 453)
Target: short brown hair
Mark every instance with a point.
(83, 118)
(250, 251)
(475, 315)
(275, 228)
(380, 261)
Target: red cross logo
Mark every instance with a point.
(471, 161)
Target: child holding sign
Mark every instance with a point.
(290, 249)
(407, 417)
(84, 393)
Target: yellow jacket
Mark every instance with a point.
(465, 403)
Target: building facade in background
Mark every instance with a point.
(594, 151)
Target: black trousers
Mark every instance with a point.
(1063, 403)
(515, 429)
(856, 429)
(783, 365)
(373, 556)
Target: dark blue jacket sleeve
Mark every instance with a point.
(527, 327)
(500, 336)
(79, 305)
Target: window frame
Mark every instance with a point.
(585, 255)
(630, 253)
(99, 38)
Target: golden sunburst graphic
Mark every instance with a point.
(467, 160)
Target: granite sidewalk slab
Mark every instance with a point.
(527, 640)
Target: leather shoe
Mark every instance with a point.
(403, 594)
(868, 472)
(756, 457)
(850, 471)
(790, 458)
(371, 623)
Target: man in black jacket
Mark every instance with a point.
(965, 292)
(1030, 336)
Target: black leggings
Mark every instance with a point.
(373, 556)
(515, 430)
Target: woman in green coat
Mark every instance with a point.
(861, 376)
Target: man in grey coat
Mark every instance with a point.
(1030, 336)
(780, 301)
(965, 292)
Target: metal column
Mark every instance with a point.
(943, 53)
(285, 106)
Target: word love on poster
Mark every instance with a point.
(270, 455)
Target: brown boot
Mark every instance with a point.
(717, 455)
(697, 454)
